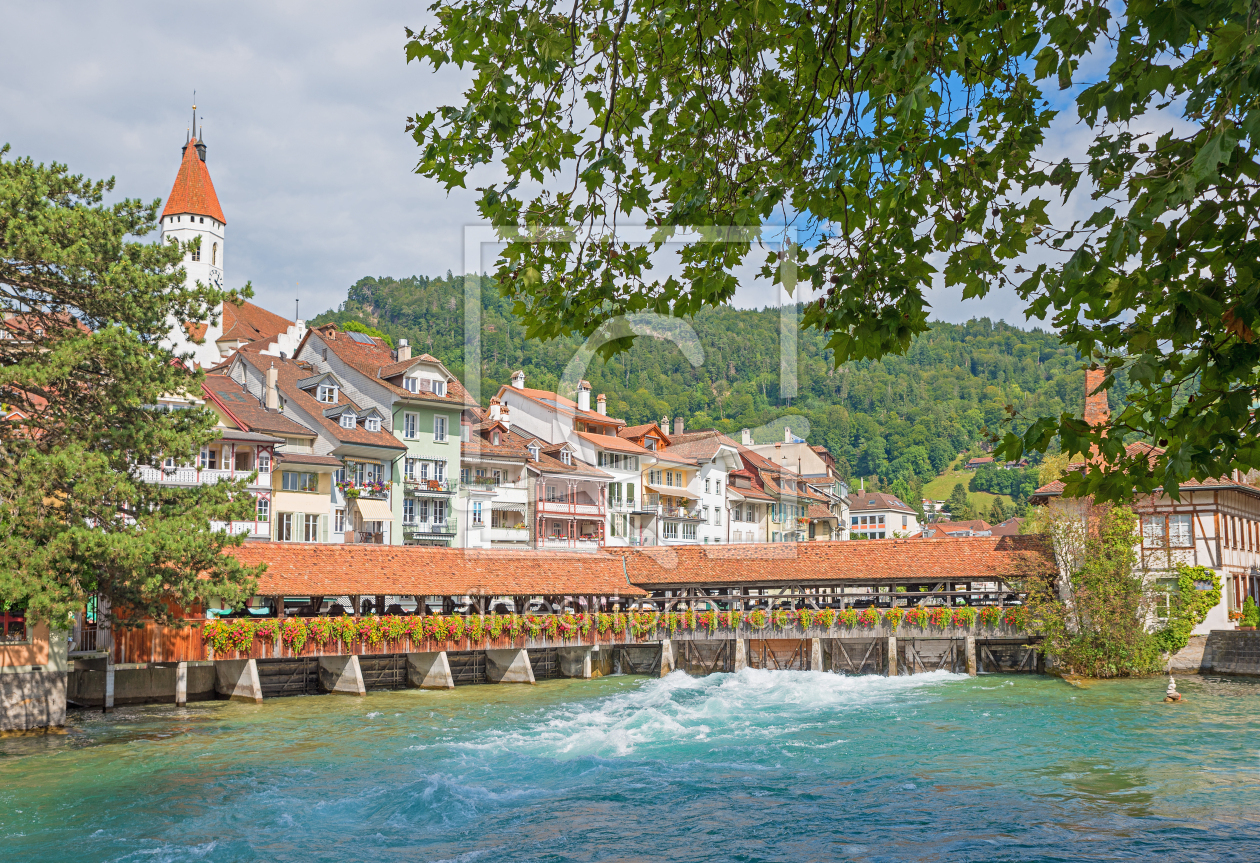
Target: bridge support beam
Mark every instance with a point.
(509, 666)
(741, 655)
(892, 656)
(970, 655)
(815, 654)
(109, 684)
(574, 661)
(181, 684)
(238, 680)
(342, 675)
(429, 671)
(667, 657)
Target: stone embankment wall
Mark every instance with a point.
(1221, 651)
(32, 701)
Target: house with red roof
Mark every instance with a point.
(1215, 523)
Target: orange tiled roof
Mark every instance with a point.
(250, 323)
(973, 559)
(560, 404)
(301, 569)
(614, 443)
(193, 191)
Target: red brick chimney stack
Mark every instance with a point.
(1097, 411)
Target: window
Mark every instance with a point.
(348, 420)
(311, 529)
(409, 510)
(735, 514)
(411, 385)
(439, 471)
(326, 393)
(465, 432)
(494, 438)
(1179, 531)
(669, 478)
(284, 527)
(243, 461)
(706, 485)
(706, 514)
(717, 516)
(533, 451)
(264, 462)
(214, 255)
(439, 428)
(372, 424)
(209, 458)
(409, 470)
(654, 477)
(196, 254)
(688, 531)
(718, 486)
(262, 509)
(339, 520)
(439, 511)
(476, 512)
(294, 481)
(905, 522)
(630, 493)
(498, 477)
(669, 530)
(439, 388)
(750, 514)
(465, 476)
(566, 457)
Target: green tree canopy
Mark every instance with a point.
(82, 366)
(889, 134)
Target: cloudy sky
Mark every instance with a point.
(304, 105)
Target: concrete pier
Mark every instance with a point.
(429, 671)
(667, 657)
(892, 656)
(970, 654)
(509, 666)
(574, 661)
(235, 678)
(341, 674)
(181, 684)
(815, 654)
(741, 655)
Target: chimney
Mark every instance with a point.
(505, 417)
(601, 404)
(678, 425)
(404, 350)
(745, 437)
(665, 424)
(273, 392)
(787, 434)
(495, 409)
(584, 395)
(1097, 411)
(518, 379)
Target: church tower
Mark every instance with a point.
(192, 210)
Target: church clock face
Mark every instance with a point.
(216, 278)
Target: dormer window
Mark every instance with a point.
(439, 388)
(650, 444)
(566, 457)
(411, 385)
(494, 438)
(327, 393)
(348, 420)
(372, 424)
(533, 451)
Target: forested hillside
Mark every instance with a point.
(904, 418)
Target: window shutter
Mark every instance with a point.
(323, 528)
(630, 492)
(426, 385)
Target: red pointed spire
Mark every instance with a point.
(193, 191)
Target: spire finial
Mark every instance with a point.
(194, 123)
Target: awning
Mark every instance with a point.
(504, 506)
(674, 491)
(373, 510)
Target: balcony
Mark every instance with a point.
(251, 529)
(428, 487)
(560, 544)
(479, 483)
(693, 514)
(429, 529)
(507, 534)
(364, 537)
(565, 508)
(197, 476)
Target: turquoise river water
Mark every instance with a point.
(774, 766)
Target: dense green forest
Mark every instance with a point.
(899, 421)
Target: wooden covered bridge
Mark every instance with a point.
(338, 618)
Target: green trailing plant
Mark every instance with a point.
(847, 617)
(964, 616)
(757, 618)
(869, 618)
(783, 618)
(916, 616)
(990, 615)
(1198, 591)
(295, 634)
(893, 617)
(940, 616)
(826, 618)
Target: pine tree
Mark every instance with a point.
(81, 367)
(997, 512)
(958, 506)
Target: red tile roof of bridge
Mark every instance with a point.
(989, 558)
(335, 569)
